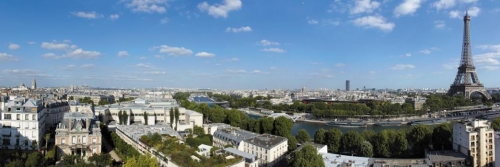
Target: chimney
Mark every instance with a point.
(70, 120)
(87, 123)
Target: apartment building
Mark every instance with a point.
(233, 136)
(475, 138)
(78, 134)
(269, 149)
(54, 112)
(22, 123)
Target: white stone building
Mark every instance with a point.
(269, 149)
(475, 138)
(22, 123)
(54, 112)
(157, 112)
(78, 134)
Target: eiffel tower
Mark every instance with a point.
(466, 81)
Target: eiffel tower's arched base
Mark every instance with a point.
(468, 90)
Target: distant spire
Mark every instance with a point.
(466, 10)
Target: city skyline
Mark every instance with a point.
(234, 44)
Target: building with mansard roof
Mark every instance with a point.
(78, 134)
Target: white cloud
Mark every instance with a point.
(237, 71)
(444, 4)
(233, 59)
(144, 65)
(147, 6)
(24, 72)
(267, 42)
(275, 50)
(87, 66)
(87, 15)
(311, 21)
(164, 20)
(159, 56)
(425, 51)
(204, 54)
(31, 42)
(114, 16)
(175, 51)
(56, 46)
(155, 72)
(51, 56)
(332, 22)
(439, 24)
(339, 65)
(374, 22)
(237, 30)
(68, 67)
(407, 7)
(406, 55)
(7, 57)
(364, 6)
(372, 72)
(122, 54)
(80, 53)
(473, 12)
(402, 67)
(143, 58)
(490, 68)
(259, 72)
(220, 10)
(13, 46)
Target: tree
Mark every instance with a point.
(351, 142)
(34, 160)
(303, 136)
(145, 118)
(125, 118)
(332, 140)
(34, 144)
(400, 145)
(47, 138)
(307, 157)
(15, 163)
(101, 160)
(171, 114)
(141, 161)
(382, 144)
(441, 137)
(319, 136)
(176, 113)
(71, 98)
(71, 160)
(496, 124)
(366, 149)
(420, 137)
(282, 126)
(198, 130)
(368, 135)
(266, 125)
(292, 143)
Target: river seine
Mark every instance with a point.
(311, 128)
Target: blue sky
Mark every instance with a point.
(245, 44)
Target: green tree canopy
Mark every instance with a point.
(34, 159)
(101, 160)
(442, 137)
(307, 157)
(351, 142)
(366, 149)
(283, 126)
(319, 136)
(332, 140)
(303, 136)
(420, 137)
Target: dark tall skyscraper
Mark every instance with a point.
(347, 85)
